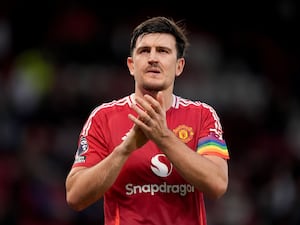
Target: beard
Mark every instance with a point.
(153, 87)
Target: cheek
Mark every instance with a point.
(173, 70)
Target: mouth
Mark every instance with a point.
(153, 74)
(153, 70)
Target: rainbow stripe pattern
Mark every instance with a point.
(212, 145)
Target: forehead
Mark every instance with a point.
(156, 39)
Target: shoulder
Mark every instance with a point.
(185, 102)
(112, 106)
(106, 110)
(197, 106)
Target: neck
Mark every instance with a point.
(167, 96)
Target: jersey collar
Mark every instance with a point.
(174, 101)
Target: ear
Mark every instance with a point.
(130, 65)
(179, 66)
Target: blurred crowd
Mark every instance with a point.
(60, 60)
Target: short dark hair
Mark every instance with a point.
(165, 25)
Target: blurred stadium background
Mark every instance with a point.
(59, 59)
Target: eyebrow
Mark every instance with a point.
(156, 47)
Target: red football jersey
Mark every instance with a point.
(148, 189)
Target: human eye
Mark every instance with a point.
(163, 50)
(143, 50)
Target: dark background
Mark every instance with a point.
(60, 59)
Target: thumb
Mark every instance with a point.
(160, 99)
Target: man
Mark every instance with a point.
(152, 155)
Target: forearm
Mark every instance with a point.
(207, 173)
(85, 186)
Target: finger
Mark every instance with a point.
(156, 104)
(139, 122)
(142, 115)
(161, 101)
(139, 109)
(146, 106)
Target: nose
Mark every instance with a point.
(153, 56)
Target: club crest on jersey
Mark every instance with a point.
(184, 133)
